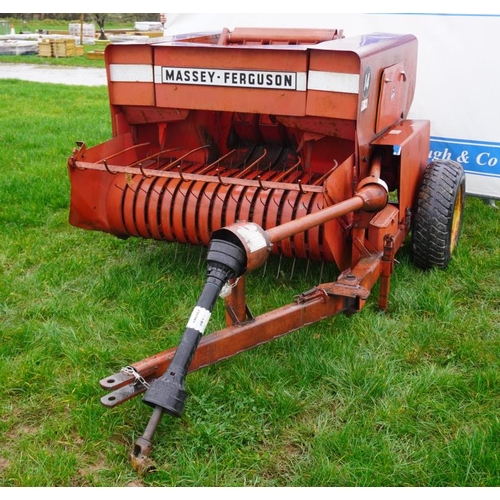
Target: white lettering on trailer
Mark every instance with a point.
(328, 81)
(233, 78)
(131, 73)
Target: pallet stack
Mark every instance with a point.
(59, 48)
(45, 48)
(70, 48)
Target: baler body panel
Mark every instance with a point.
(248, 80)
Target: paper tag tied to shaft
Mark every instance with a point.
(199, 319)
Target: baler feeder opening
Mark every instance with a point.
(256, 171)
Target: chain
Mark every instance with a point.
(130, 370)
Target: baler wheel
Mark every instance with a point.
(439, 212)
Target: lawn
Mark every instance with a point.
(81, 61)
(408, 397)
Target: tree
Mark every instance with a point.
(100, 20)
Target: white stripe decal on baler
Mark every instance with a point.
(333, 82)
(317, 80)
(131, 73)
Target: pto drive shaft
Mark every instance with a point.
(225, 260)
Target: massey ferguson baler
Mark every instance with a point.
(254, 142)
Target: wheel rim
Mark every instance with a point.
(456, 219)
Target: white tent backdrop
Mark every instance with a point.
(458, 76)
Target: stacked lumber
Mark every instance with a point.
(45, 48)
(70, 48)
(95, 54)
(59, 47)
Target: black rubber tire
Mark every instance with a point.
(437, 222)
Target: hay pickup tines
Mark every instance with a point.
(257, 142)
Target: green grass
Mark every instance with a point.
(55, 61)
(408, 397)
